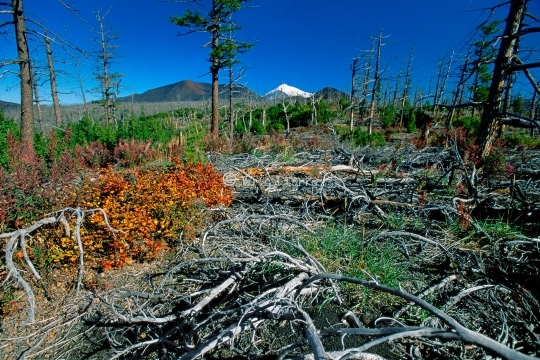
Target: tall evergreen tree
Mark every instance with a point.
(485, 52)
(217, 22)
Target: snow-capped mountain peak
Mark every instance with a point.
(286, 91)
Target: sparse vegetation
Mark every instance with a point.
(298, 226)
(397, 236)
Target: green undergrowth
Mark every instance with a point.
(520, 139)
(487, 233)
(350, 252)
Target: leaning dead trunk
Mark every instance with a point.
(491, 124)
(52, 75)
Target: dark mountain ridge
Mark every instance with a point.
(187, 90)
(6, 105)
(331, 94)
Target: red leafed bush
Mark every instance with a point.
(133, 152)
(151, 209)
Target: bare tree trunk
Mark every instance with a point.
(437, 86)
(490, 124)
(231, 108)
(105, 65)
(406, 87)
(375, 84)
(459, 90)
(285, 107)
(85, 104)
(250, 115)
(52, 75)
(313, 110)
(532, 110)
(353, 84)
(365, 80)
(37, 101)
(445, 79)
(27, 113)
(215, 84)
(394, 96)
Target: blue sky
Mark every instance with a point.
(308, 44)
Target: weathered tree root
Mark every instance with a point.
(18, 237)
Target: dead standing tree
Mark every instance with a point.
(27, 77)
(506, 64)
(458, 93)
(54, 86)
(366, 80)
(354, 69)
(406, 87)
(109, 82)
(15, 8)
(376, 79)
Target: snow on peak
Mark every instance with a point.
(286, 91)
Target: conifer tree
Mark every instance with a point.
(217, 22)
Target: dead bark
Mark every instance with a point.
(54, 87)
(214, 71)
(406, 87)
(490, 125)
(231, 108)
(37, 101)
(354, 68)
(459, 90)
(25, 74)
(376, 79)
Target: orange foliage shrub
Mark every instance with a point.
(150, 208)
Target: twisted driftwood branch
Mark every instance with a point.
(21, 236)
(462, 332)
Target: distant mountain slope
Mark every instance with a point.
(286, 91)
(330, 93)
(6, 105)
(187, 90)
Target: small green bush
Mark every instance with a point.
(324, 113)
(470, 123)
(411, 122)
(363, 138)
(257, 128)
(7, 126)
(388, 116)
(86, 132)
(517, 139)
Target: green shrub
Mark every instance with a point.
(86, 132)
(470, 123)
(7, 126)
(411, 122)
(388, 116)
(257, 127)
(324, 113)
(363, 138)
(517, 139)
